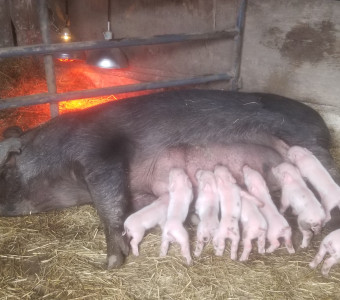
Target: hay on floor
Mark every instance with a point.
(60, 255)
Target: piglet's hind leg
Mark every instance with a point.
(329, 263)
(274, 244)
(284, 205)
(136, 239)
(199, 247)
(246, 249)
(234, 247)
(288, 240)
(164, 247)
(306, 238)
(219, 245)
(319, 256)
(307, 233)
(261, 242)
(185, 250)
(181, 236)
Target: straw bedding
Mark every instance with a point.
(61, 255)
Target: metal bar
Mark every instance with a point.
(48, 59)
(238, 45)
(45, 98)
(161, 39)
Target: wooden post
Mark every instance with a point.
(6, 35)
(24, 14)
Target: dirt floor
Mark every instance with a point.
(61, 255)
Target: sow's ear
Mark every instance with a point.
(10, 161)
(13, 131)
(8, 146)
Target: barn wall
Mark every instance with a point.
(292, 48)
(6, 37)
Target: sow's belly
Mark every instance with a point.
(149, 178)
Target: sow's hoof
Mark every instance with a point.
(120, 249)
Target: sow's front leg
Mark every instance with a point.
(107, 187)
(106, 180)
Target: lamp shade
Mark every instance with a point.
(112, 58)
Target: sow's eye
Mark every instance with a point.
(2, 182)
(3, 172)
(7, 173)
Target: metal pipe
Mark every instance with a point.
(238, 45)
(45, 98)
(155, 40)
(48, 60)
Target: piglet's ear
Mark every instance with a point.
(199, 174)
(257, 201)
(287, 177)
(188, 182)
(207, 188)
(171, 187)
(292, 157)
(253, 190)
(219, 180)
(249, 197)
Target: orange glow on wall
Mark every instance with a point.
(76, 76)
(80, 104)
(66, 59)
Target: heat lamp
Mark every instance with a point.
(65, 34)
(66, 37)
(112, 58)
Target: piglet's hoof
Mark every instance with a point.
(115, 257)
(188, 260)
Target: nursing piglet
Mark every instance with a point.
(330, 244)
(230, 203)
(207, 208)
(181, 195)
(253, 223)
(312, 169)
(296, 194)
(146, 218)
(277, 224)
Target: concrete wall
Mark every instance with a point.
(292, 48)
(6, 36)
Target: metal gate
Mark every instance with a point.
(47, 49)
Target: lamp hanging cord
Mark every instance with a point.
(109, 15)
(67, 17)
(108, 34)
